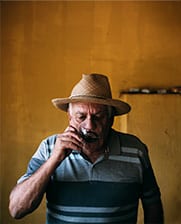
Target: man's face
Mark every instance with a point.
(93, 118)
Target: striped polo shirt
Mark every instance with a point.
(106, 191)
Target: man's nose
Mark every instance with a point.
(89, 124)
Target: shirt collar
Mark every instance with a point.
(114, 143)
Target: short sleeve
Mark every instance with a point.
(150, 192)
(40, 157)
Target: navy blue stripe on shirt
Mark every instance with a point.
(98, 194)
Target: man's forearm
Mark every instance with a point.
(26, 196)
(153, 214)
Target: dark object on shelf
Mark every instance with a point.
(135, 90)
(176, 90)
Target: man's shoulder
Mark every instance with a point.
(129, 140)
(131, 146)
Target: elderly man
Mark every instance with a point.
(90, 172)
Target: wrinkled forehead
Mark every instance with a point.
(84, 107)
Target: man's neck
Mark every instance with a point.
(91, 155)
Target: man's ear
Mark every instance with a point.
(69, 115)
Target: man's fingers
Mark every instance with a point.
(70, 139)
(72, 131)
(71, 128)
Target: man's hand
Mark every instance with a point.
(69, 140)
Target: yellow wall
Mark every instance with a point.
(159, 125)
(46, 46)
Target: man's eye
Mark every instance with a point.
(81, 118)
(99, 116)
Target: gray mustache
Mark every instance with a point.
(88, 136)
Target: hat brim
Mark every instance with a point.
(119, 106)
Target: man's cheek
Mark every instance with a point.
(75, 124)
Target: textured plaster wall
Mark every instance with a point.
(46, 46)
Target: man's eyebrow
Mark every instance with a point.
(79, 112)
(98, 112)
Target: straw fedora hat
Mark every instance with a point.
(93, 88)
